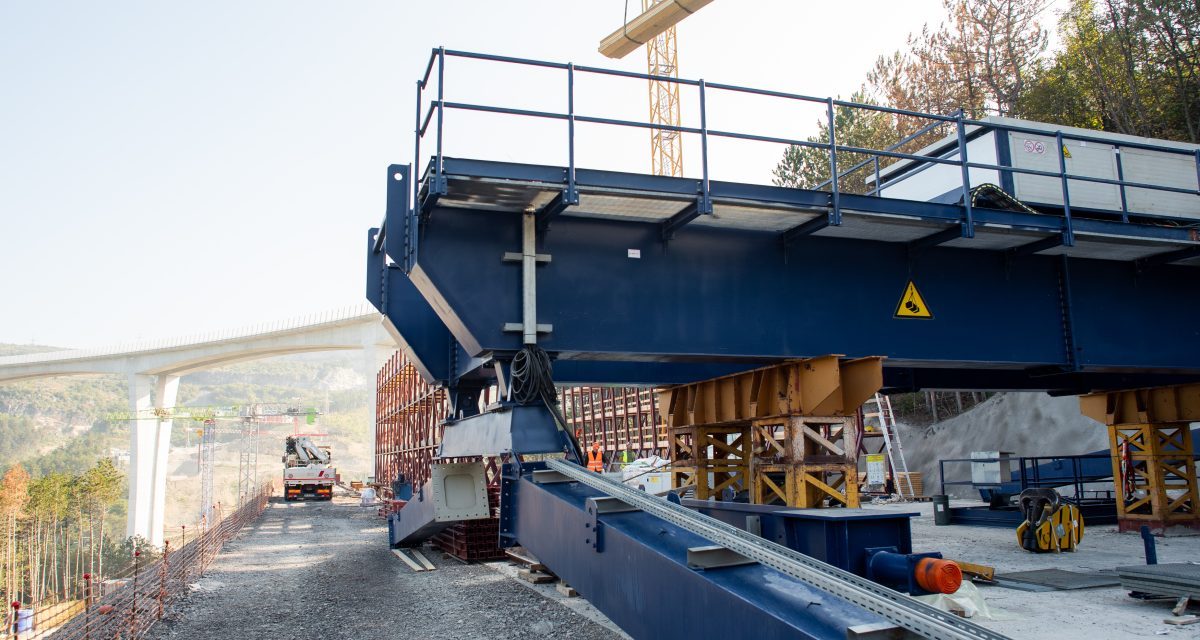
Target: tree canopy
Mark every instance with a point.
(1125, 66)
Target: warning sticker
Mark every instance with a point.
(912, 305)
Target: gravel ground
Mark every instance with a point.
(323, 570)
(1080, 614)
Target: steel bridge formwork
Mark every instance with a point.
(479, 262)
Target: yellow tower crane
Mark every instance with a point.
(655, 28)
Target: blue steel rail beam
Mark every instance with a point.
(901, 610)
(664, 598)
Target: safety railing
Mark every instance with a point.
(1037, 472)
(433, 110)
(126, 605)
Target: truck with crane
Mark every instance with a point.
(308, 470)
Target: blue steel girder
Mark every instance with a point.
(663, 598)
(715, 300)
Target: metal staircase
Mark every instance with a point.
(891, 442)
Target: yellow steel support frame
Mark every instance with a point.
(786, 433)
(666, 146)
(711, 458)
(813, 457)
(1154, 470)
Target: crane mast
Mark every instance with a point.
(662, 60)
(655, 29)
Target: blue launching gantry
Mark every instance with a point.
(1081, 284)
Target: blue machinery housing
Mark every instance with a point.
(659, 280)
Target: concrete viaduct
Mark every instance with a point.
(153, 370)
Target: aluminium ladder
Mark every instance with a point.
(891, 443)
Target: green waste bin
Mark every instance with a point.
(941, 510)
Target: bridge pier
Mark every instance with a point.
(150, 442)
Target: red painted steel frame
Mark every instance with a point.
(619, 418)
(409, 422)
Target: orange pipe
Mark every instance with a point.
(938, 576)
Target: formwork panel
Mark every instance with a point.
(408, 424)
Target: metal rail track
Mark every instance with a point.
(894, 606)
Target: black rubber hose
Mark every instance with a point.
(533, 381)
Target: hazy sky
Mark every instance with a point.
(170, 168)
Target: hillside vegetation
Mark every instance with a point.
(66, 424)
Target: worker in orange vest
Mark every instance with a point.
(595, 459)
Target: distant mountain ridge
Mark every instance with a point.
(22, 349)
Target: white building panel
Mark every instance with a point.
(1175, 165)
(937, 179)
(1153, 167)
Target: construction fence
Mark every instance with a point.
(127, 606)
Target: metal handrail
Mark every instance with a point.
(1029, 471)
(438, 106)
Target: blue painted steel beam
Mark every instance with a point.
(677, 221)
(804, 229)
(725, 295)
(1168, 258)
(839, 537)
(560, 203)
(667, 329)
(934, 239)
(1038, 245)
(1057, 381)
(664, 598)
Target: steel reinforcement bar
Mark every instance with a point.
(896, 607)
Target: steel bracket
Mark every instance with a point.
(715, 557)
(805, 229)
(754, 525)
(515, 256)
(593, 529)
(565, 199)
(607, 504)
(517, 327)
(547, 476)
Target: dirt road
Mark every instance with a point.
(322, 570)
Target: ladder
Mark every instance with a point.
(891, 443)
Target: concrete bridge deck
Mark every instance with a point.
(153, 370)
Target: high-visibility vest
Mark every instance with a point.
(595, 460)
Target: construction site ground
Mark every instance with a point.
(323, 570)
(1079, 614)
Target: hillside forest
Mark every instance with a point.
(64, 458)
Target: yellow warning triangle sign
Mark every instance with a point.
(912, 305)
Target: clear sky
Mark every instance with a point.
(169, 168)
